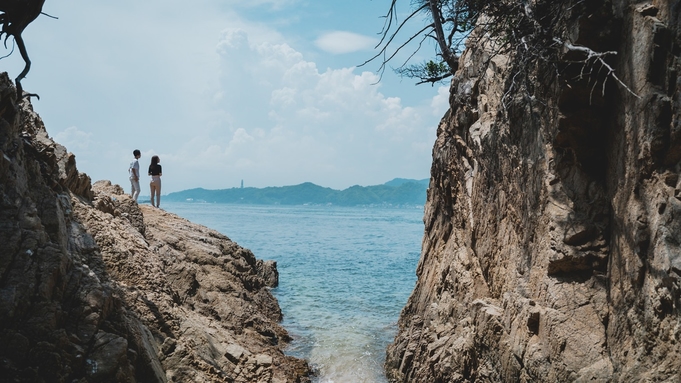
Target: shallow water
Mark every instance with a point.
(344, 275)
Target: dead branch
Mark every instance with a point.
(15, 17)
(599, 58)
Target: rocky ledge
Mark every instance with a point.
(94, 288)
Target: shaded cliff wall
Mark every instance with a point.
(552, 249)
(94, 288)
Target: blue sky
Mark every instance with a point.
(267, 91)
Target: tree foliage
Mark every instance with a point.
(427, 71)
(448, 24)
(532, 31)
(511, 23)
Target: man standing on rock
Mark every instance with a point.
(134, 171)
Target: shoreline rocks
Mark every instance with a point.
(94, 287)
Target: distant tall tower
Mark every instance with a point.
(242, 184)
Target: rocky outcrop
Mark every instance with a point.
(94, 288)
(552, 250)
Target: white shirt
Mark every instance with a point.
(134, 165)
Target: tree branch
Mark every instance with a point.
(598, 57)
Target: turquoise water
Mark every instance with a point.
(344, 275)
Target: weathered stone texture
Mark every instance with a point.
(94, 288)
(552, 250)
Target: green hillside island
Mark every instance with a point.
(398, 192)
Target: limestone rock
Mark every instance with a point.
(553, 228)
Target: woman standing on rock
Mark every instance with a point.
(155, 184)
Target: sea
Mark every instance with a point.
(345, 273)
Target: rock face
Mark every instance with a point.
(552, 250)
(94, 288)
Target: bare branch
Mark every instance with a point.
(385, 48)
(14, 18)
(414, 52)
(388, 21)
(50, 16)
(384, 32)
(597, 57)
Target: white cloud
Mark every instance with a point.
(339, 42)
(74, 139)
(440, 103)
(233, 39)
(292, 123)
(241, 137)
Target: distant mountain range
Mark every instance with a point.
(399, 191)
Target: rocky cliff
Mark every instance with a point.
(552, 250)
(94, 288)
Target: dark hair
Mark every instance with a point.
(155, 160)
(136, 152)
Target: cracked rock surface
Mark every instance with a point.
(94, 288)
(552, 249)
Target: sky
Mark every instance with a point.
(270, 92)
